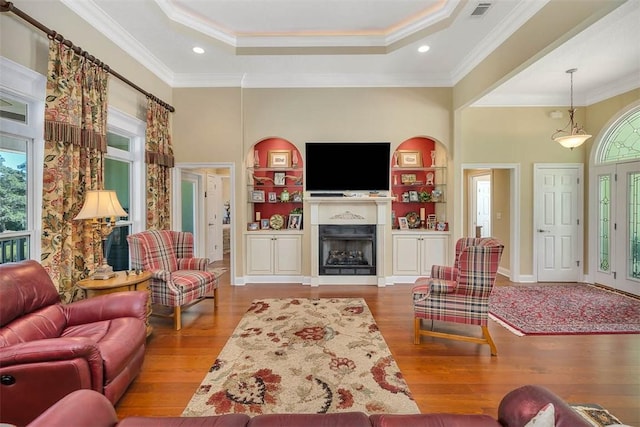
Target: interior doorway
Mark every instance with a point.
(213, 203)
(504, 209)
(480, 205)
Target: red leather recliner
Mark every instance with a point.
(49, 349)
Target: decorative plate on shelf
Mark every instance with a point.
(276, 221)
(413, 219)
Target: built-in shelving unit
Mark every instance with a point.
(275, 185)
(418, 185)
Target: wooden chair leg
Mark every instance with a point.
(416, 330)
(215, 297)
(177, 318)
(487, 336)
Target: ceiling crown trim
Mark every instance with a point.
(346, 38)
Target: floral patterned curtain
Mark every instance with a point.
(75, 143)
(159, 158)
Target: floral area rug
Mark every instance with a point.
(304, 356)
(596, 415)
(564, 309)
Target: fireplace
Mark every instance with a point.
(348, 237)
(347, 250)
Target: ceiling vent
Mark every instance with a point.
(481, 9)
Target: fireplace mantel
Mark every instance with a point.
(350, 210)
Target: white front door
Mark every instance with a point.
(618, 260)
(214, 218)
(627, 241)
(558, 213)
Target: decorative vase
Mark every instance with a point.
(284, 196)
(256, 159)
(294, 159)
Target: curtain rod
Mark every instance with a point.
(7, 6)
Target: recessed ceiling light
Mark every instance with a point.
(423, 48)
(198, 50)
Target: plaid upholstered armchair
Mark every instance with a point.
(460, 293)
(178, 279)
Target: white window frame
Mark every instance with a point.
(134, 129)
(29, 87)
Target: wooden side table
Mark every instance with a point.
(121, 282)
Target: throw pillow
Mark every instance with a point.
(546, 417)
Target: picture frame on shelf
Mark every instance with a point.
(413, 196)
(253, 226)
(296, 197)
(257, 196)
(442, 226)
(279, 178)
(279, 159)
(264, 224)
(403, 223)
(408, 178)
(410, 159)
(273, 197)
(294, 221)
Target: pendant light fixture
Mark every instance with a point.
(572, 135)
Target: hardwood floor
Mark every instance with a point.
(443, 375)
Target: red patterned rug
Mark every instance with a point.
(305, 356)
(564, 309)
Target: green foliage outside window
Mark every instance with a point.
(13, 197)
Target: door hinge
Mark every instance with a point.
(615, 226)
(614, 275)
(205, 194)
(578, 263)
(578, 221)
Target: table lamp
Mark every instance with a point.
(98, 205)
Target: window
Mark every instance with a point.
(124, 173)
(22, 92)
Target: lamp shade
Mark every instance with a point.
(572, 141)
(101, 204)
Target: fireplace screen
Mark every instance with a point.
(347, 250)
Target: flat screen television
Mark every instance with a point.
(347, 166)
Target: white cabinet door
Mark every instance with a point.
(406, 253)
(287, 254)
(274, 253)
(260, 254)
(434, 252)
(415, 253)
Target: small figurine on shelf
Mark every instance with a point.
(395, 160)
(284, 196)
(256, 159)
(433, 158)
(294, 159)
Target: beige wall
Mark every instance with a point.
(501, 207)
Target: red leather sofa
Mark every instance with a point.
(49, 349)
(85, 408)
